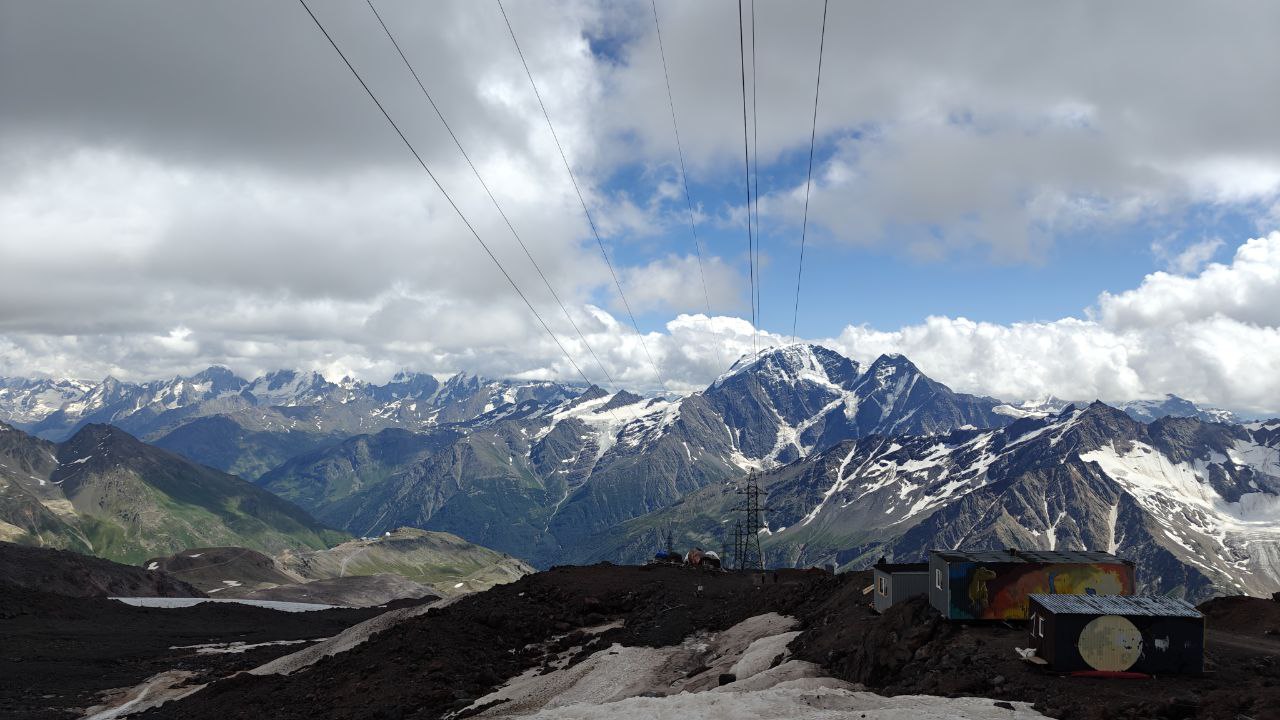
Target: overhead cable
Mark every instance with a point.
(574, 180)
(684, 176)
(440, 187)
(489, 192)
(755, 175)
(746, 160)
(808, 184)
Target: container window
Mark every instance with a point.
(883, 587)
(1040, 627)
(937, 578)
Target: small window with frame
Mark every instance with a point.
(937, 578)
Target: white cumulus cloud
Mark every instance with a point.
(1212, 338)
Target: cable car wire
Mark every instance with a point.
(755, 153)
(684, 176)
(440, 187)
(746, 159)
(813, 133)
(489, 192)
(574, 180)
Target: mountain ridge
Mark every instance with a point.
(1195, 504)
(105, 493)
(538, 480)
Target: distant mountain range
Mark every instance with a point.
(246, 427)
(1140, 410)
(537, 479)
(860, 461)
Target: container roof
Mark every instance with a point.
(892, 568)
(1032, 556)
(1153, 605)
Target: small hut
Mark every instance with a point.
(1145, 634)
(894, 582)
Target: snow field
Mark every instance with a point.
(793, 700)
(626, 683)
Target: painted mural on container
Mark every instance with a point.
(998, 591)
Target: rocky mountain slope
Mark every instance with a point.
(538, 479)
(444, 562)
(232, 572)
(406, 563)
(72, 574)
(105, 493)
(1195, 504)
(553, 474)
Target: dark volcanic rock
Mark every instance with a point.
(68, 573)
(435, 663)
(59, 653)
(444, 659)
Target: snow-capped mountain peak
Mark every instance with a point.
(791, 364)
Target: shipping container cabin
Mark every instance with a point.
(1146, 634)
(995, 584)
(894, 582)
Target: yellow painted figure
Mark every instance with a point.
(978, 587)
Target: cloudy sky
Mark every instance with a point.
(1070, 198)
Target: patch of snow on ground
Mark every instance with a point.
(795, 700)
(345, 640)
(158, 689)
(621, 672)
(234, 648)
(228, 583)
(637, 683)
(760, 654)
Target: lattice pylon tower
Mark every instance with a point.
(751, 556)
(737, 546)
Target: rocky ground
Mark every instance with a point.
(442, 661)
(439, 663)
(69, 573)
(234, 572)
(912, 650)
(60, 654)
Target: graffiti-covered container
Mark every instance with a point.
(1146, 634)
(995, 584)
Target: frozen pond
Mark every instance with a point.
(165, 602)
